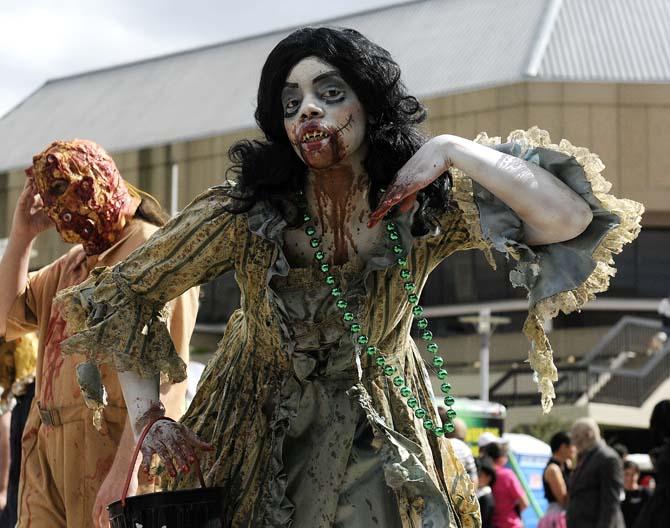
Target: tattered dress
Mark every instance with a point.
(308, 432)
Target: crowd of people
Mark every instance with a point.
(586, 482)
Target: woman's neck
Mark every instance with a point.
(338, 197)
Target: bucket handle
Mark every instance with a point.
(124, 494)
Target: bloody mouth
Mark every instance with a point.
(312, 136)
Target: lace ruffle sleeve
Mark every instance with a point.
(559, 277)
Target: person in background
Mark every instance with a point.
(75, 457)
(510, 499)
(648, 481)
(660, 338)
(486, 478)
(5, 421)
(17, 381)
(462, 450)
(486, 438)
(596, 485)
(555, 481)
(636, 495)
(460, 429)
(664, 312)
(656, 343)
(656, 512)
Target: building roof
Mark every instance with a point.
(443, 46)
(610, 41)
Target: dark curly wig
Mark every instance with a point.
(270, 170)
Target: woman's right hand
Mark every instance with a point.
(30, 219)
(175, 444)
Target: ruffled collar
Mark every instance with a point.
(267, 222)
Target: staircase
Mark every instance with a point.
(625, 368)
(603, 378)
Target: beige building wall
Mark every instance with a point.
(628, 125)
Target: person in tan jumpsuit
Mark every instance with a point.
(75, 458)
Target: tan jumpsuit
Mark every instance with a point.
(65, 459)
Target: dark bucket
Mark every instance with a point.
(190, 508)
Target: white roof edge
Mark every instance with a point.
(544, 31)
(24, 100)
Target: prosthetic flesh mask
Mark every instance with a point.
(83, 193)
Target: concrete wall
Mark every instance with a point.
(628, 125)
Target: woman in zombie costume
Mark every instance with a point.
(71, 469)
(318, 404)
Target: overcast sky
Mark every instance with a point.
(43, 39)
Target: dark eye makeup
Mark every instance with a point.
(291, 106)
(329, 95)
(333, 94)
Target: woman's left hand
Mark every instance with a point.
(422, 169)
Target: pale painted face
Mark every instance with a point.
(323, 118)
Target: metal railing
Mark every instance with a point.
(630, 334)
(633, 387)
(517, 386)
(625, 368)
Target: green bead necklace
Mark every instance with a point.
(371, 350)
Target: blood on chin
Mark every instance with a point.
(321, 154)
(319, 162)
